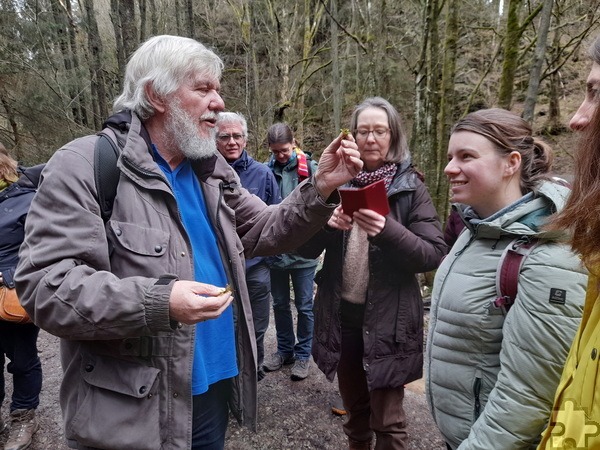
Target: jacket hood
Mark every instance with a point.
(525, 217)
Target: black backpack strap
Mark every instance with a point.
(106, 173)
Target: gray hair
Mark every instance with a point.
(398, 151)
(225, 118)
(165, 62)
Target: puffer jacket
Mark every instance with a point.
(287, 180)
(411, 242)
(104, 288)
(575, 421)
(491, 377)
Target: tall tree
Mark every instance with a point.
(514, 31)
(539, 56)
(426, 103)
(96, 54)
(338, 88)
(447, 102)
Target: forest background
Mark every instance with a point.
(306, 62)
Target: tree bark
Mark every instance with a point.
(337, 88)
(128, 27)
(447, 102)
(115, 18)
(190, 18)
(97, 79)
(536, 70)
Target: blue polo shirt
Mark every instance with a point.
(214, 352)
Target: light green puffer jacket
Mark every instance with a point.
(490, 377)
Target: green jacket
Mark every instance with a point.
(287, 180)
(490, 377)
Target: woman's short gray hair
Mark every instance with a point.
(165, 62)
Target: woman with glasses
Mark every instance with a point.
(368, 306)
(491, 371)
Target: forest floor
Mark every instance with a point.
(292, 414)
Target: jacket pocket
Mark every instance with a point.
(140, 240)
(118, 405)
(135, 249)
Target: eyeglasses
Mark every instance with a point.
(224, 138)
(378, 133)
(281, 152)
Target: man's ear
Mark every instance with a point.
(155, 100)
(513, 163)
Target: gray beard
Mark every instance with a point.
(186, 138)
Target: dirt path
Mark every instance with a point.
(292, 415)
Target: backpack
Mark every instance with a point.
(106, 173)
(509, 267)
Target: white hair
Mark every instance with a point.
(225, 118)
(165, 62)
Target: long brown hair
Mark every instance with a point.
(581, 214)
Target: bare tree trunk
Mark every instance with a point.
(440, 194)
(424, 138)
(82, 98)
(98, 83)
(514, 31)
(178, 17)
(62, 38)
(143, 20)
(190, 18)
(536, 70)
(128, 27)
(10, 115)
(153, 18)
(337, 88)
(115, 18)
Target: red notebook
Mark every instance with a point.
(371, 197)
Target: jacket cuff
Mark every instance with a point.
(332, 201)
(157, 303)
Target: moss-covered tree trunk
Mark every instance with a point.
(447, 102)
(511, 54)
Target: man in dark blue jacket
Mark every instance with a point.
(232, 134)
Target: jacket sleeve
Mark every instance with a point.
(419, 246)
(538, 332)
(63, 276)
(274, 193)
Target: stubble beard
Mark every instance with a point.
(185, 136)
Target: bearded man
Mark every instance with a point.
(155, 351)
